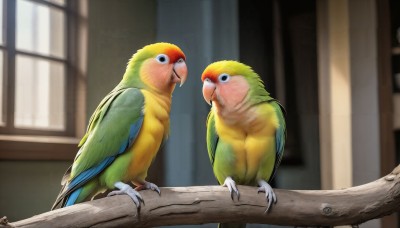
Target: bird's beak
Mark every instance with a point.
(179, 72)
(208, 91)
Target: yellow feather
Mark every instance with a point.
(155, 127)
(250, 138)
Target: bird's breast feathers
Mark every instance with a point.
(154, 129)
(252, 139)
(257, 120)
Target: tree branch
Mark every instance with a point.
(211, 204)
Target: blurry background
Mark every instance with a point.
(334, 65)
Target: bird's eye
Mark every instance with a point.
(224, 77)
(161, 58)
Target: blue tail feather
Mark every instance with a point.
(73, 197)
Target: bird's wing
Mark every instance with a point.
(112, 129)
(212, 137)
(280, 134)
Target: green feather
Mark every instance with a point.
(257, 93)
(109, 128)
(212, 137)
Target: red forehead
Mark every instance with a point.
(209, 73)
(174, 54)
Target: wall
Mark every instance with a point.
(29, 187)
(116, 30)
(364, 82)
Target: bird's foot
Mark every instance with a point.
(269, 193)
(148, 185)
(125, 189)
(230, 183)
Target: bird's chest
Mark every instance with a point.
(248, 145)
(156, 115)
(154, 129)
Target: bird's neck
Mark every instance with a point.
(240, 114)
(136, 82)
(251, 120)
(164, 100)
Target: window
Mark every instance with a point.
(34, 63)
(39, 65)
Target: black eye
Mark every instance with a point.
(223, 78)
(161, 58)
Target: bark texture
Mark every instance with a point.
(211, 204)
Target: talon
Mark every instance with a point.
(158, 191)
(236, 191)
(230, 183)
(125, 189)
(148, 185)
(140, 198)
(269, 193)
(114, 193)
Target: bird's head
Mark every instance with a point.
(230, 83)
(157, 67)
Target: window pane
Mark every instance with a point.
(40, 29)
(40, 88)
(1, 22)
(2, 120)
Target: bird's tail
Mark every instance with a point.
(232, 225)
(61, 196)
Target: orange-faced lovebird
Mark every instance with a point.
(246, 128)
(127, 129)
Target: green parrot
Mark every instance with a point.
(127, 129)
(246, 129)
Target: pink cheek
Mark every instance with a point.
(234, 91)
(154, 73)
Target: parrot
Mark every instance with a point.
(127, 129)
(246, 129)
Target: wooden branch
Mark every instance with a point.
(211, 204)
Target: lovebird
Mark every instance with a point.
(127, 129)
(246, 129)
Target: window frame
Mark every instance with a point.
(32, 144)
(10, 55)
